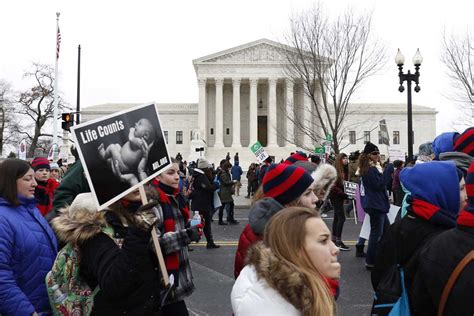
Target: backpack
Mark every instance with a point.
(391, 297)
(68, 294)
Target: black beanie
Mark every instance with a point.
(370, 148)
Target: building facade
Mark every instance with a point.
(245, 97)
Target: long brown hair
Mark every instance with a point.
(340, 167)
(286, 239)
(364, 164)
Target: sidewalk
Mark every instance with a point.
(240, 201)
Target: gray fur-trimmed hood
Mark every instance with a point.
(261, 212)
(325, 177)
(80, 221)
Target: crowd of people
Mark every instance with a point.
(286, 261)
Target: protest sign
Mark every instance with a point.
(396, 154)
(350, 189)
(121, 152)
(365, 230)
(259, 151)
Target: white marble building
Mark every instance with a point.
(244, 96)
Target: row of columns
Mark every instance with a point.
(272, 112)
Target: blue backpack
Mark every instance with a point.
(391, 297)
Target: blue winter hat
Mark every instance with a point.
(436, 183)
(444, 143)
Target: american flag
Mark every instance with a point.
(58, 43)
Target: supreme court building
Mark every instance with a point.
(245, 96)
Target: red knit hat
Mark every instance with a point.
(466, 216)
(40, 163)
(465, 142)
(297, 156)
(285, 183)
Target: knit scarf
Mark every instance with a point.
(166, 193)
(44, 192)
(431, 213)
(333, 286)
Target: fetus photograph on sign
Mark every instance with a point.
(121, 151)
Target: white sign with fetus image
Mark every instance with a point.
(121, 151)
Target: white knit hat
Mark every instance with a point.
(83, 201)
(203, 163)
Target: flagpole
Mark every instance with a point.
(55, 102)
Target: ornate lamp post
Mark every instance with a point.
(409, 77)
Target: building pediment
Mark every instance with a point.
(261, 51)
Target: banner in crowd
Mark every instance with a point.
(396, 154)
(22, 150)
(121, 152)
(350, 189)
(384, 133)
(259, 152)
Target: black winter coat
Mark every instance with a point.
(437, 262)
(202, 198)
(407, 237)
(129, 278)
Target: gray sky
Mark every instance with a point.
(139, 51)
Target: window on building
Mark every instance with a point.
(191, 135)
(166, 136)
(396, 137)
(227, 131)
(366, 137)
(212, 131)
(380, 138)
(352, 137)
(179, 137)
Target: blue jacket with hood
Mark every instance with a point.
(28, 249)
(433, 204)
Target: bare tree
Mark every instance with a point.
(6, 112)
(458, 57)
(330, 59)
(35, 106)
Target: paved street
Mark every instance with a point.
(214, 278)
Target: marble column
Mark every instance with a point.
(236, 113)
(219, 113)
(272, 113)
(253, 112)
(290, 113)
(202, 109)
(306, 119)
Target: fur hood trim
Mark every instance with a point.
(80, 221)
(325, 177)
(281, 276)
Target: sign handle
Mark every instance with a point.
(156, 243)
(355, 210)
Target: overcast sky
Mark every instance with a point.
(139, 51)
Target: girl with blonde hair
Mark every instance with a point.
(293, 271)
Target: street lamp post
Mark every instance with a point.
(409, 77)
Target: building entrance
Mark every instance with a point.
(262, 130)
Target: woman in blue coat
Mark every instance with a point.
(28, 246)
(374, 198)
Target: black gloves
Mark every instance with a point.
(194, 232)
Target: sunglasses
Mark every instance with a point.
(375, 153)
